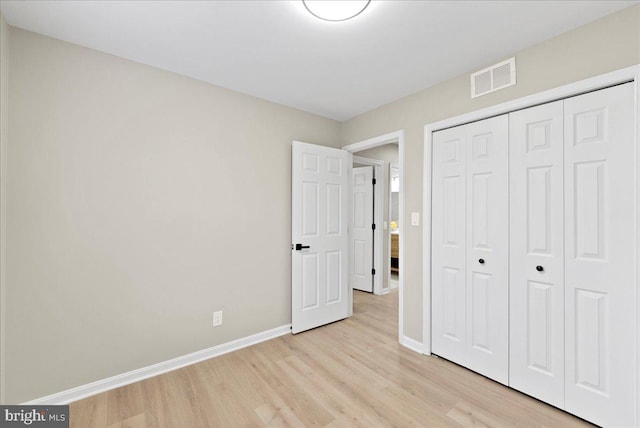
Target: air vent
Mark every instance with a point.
(493, 78)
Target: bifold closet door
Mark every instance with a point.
(488, 248)
(536, 344)
(600, 256)
(449, 244)
(470, 246)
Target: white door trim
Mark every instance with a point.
(619, 76)
(392, 137)
(378, 196)
(388, 231)
(637, 207)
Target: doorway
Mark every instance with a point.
(372, 262)
(374, 150)
(386, 230)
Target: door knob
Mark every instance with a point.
(481, 261)
(299, 247)
(539, 268)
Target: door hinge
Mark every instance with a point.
(373, 181)
(373, 271)
(373, 227)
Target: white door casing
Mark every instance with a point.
(320, 207)
(394, 187)
(600, 256)
(470, 246)
(537, 252)
(361, 229)
(487, 258)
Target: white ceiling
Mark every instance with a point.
(276, 50)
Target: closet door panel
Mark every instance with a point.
(449, 243)
(600, 257)
(487, 255)
(537, 252)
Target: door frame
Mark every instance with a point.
(378, 167)
(624, 75)
(388, 231)
(396, 137)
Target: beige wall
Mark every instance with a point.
(387, 153)
(610, 43)
(139, 202)
(4, 136)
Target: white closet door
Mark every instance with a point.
(470, 297)
(449, 244)
(487, 258)
(600, 256)
(536, 346)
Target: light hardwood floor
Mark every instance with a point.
(350, 373)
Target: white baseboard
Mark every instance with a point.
(412, 344)
(93, 388)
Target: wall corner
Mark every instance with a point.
(4, 138)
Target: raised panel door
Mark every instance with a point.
(319, 197)
(361, 230)
(487, 254)
(600, 256)
(448, 273)
(536, 345)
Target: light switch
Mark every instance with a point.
(415, 219)
(384, 225)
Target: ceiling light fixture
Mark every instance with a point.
(335, 10)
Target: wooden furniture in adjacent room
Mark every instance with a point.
(395, 252)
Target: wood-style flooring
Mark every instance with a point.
(349, 373)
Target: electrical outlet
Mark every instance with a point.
(217, 318)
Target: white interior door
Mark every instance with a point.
(319, 256)
(536, 346)
(361, 229)
(448, 272)
(488, 247)
(600, 256)
(470, 296)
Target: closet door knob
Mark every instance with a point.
(539, 268)
(481, 261)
